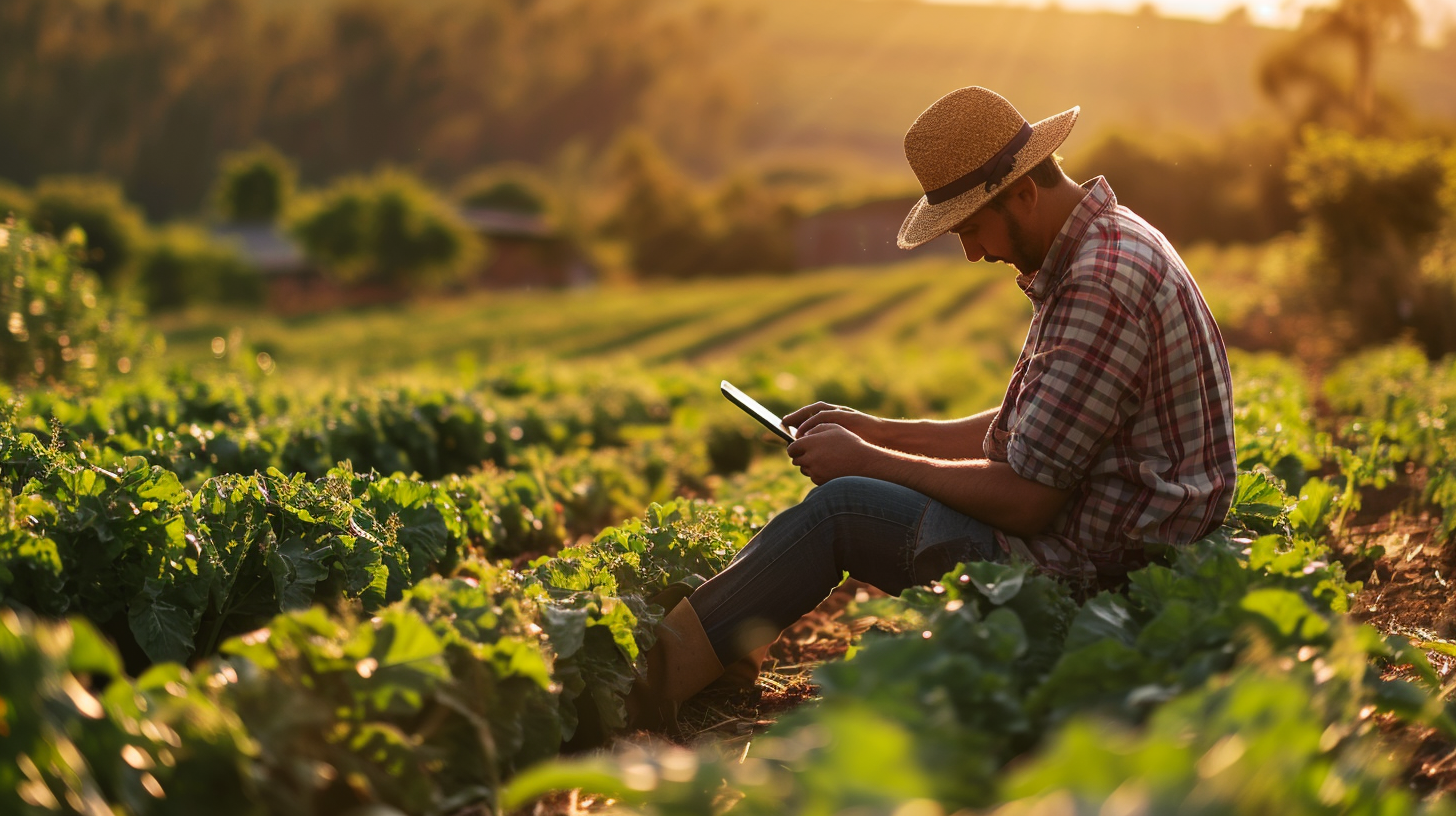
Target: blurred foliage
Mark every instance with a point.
(1374, 208)
(183, 264)
(1327, 71)
(254, 186)
(14, 201)
(1241, 190)
(674, 229)
(114, 227)
(514, 188)
(60, 326)
(385, 228)
(152, 92)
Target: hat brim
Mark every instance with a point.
(927, 221)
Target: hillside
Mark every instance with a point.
(852, 74)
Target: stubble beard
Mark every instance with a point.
(1025, 256)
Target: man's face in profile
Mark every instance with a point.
(996, 234)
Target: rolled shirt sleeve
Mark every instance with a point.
(1080, 387)
(1121, 395)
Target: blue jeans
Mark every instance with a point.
(888, 536)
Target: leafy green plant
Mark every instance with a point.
(59, 325)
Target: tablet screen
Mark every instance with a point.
(758, 412)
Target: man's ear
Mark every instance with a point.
(1023, 195)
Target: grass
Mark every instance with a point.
(920, 303)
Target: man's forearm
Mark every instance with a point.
(937, 439)
(989, 491)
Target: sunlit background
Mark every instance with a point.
(1437, 16)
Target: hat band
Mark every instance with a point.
(993, 172)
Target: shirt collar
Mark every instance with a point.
(1098, 199)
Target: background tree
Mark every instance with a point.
(513, 188)
(1374, 209)
(1328, 68)
(387, 228)
(114, 227)
(153, 92)
(659, 216)
(1242, 193)
(254, 186)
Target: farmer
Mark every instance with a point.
(1114, 439)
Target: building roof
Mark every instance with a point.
(265, 246)
(506, 223)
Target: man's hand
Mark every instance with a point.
(826, 451)
(863, 425)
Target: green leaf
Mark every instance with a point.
(1287, 612)
(566, 628)
(407, 639)
(593, 776)
(1105, 617)
(514, 657)
(91, 653)
(1258, 502)
(620, 621)
(162, 630)
(296, 569)
(1317, 504)
(998, 582)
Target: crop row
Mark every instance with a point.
(350, 640)
(441, 698)
(1227, 681)
(428, 703)
(168, 572)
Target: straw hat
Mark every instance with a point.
(967, 147)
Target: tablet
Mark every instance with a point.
(757, 411)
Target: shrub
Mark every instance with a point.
(1231, 189)
(511, 188)
(254, 185)
(59, 325)
(755, 229)
(183, 264)
(387, 228)
(673, 230)
(114, 228)
(1373, 210)
(14, 201)
(659, 216)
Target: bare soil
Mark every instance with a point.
(1407, 592)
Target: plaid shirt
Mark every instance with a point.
(1121, 394)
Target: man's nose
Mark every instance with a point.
(974, 251)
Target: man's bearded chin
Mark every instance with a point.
(1026, 256)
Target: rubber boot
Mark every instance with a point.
(679, 665)
(743, 672)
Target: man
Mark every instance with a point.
(1113, 442)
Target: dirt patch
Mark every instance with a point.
(1394, 547)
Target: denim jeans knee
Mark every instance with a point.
(947, 537)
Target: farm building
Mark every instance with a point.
(526, 252)
(861, 234)
(293, 285)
